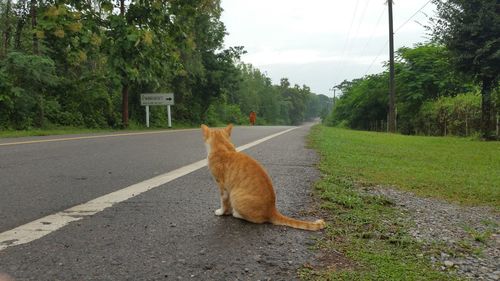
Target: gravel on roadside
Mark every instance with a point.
(474, 232)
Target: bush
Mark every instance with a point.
(55, 115)
(212, 117)
(459, 115)
(231, 113)
(219, 114)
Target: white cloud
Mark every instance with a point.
(301, 56)
(319, 42)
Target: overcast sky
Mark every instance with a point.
(320, 43)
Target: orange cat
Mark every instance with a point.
(245, 188)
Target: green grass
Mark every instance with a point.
(457, 169)
(73, 130)
(368, 230)
(49, 132)
(371, 233)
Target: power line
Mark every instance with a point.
(378, 55)
(373, 31)
(361, 19)
(350, 28)
(399, 28)
(421, 8)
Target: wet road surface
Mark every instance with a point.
(168, 233)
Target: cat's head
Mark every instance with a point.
(209, 134)
(217, 139)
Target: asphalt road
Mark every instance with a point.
(168, 233)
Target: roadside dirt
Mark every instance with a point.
(469, 236)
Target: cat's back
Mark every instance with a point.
(245, 164)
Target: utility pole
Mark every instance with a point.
(333, 101)
(391, 122)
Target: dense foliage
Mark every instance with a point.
(274, 104)
(470, 30)
(85, 63)
(432, 98)
(447, 86)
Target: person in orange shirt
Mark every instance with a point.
(253, 118)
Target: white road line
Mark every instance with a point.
(43, 226)
(95, 137)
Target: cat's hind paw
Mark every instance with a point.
(219, 212)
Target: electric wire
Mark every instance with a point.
(421, 8)
(399, 28)
(373, 31)
(350, 28)
(378, 55)
(362, 18)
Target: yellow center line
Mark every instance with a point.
(94, 137)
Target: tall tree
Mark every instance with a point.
(36, 51)
(7, 27)
(138, 50)
(470, 29)
(33, 12)
(22, 12)
(125, 80)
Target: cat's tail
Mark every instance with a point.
(279, 219)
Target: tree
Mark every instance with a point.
(125, 78)
(363, 104)
(424, 72)
(30, 77)
(6, 26)
(21, 11)
(83, 64)
(139, 47)
(470, 30)
(206, 70)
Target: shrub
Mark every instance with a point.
(459, 115)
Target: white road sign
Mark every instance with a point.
(157, 99)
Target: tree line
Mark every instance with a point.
(448, 86)
(275, 104)
(85, 63)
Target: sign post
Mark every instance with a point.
(158, 99)
(169, 118)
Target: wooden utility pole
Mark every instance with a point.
(334, 97)
(391, 122)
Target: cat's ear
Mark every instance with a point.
(205, 130)
(228, 129)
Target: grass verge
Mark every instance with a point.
(372, 234)
(367, 229)
(74, 130)
(456, 169)
(50, 132)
